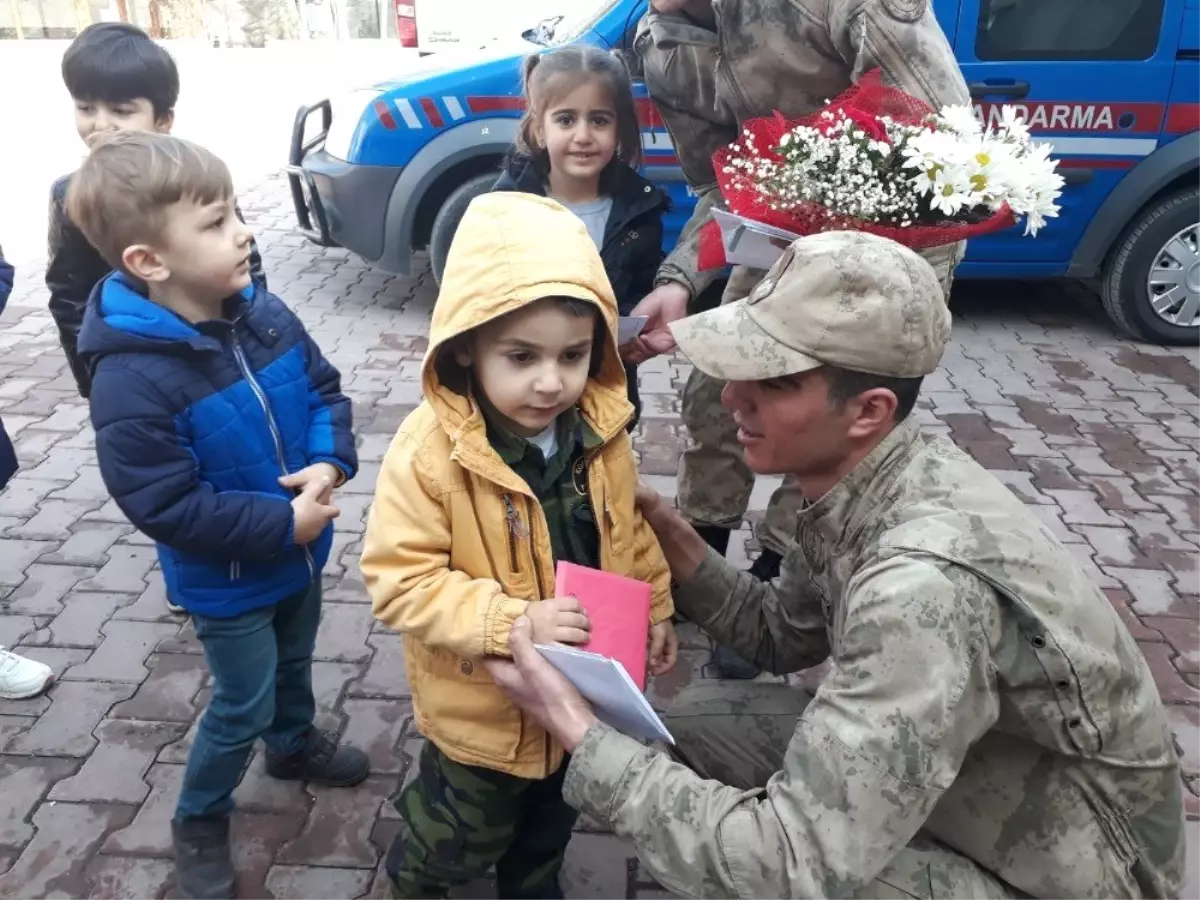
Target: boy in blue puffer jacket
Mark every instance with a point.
(221, 433)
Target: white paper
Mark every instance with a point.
(748, 243)
(614, 696)
(629, 327)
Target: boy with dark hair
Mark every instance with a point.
(221, 432)
(120, 80)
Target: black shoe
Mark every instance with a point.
(766, 567)
(716, 536)
(729, 664)
(322, 762)
(203, 867)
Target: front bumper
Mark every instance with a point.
(337, 203)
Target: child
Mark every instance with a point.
(221, 432)
(516, 459)
(120, 80)
(20, 677)
(580, 144)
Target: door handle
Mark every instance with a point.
(1015, 89)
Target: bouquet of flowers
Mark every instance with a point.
(879, 160)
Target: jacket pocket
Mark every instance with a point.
(459, 705)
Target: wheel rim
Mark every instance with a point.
(1174, 281)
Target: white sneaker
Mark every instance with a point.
(21, 678)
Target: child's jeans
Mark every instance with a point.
(458, 821)
(261, 663)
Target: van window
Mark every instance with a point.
(1068, 29)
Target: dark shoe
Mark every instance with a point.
(766, 567)
(715, 536)
(729, 665)
(322, 762)
(203, 868)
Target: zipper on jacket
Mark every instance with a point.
(261, 396)
(515, 531)
(235, 570)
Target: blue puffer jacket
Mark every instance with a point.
(195, 424)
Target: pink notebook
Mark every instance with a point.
(619, 610)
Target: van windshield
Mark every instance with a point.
(578, 17)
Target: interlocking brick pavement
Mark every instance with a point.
(1099, 435)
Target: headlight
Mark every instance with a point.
(347, 116)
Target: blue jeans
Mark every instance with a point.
(261, 663)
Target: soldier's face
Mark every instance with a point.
(788, 426)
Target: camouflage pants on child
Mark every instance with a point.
(458, 821)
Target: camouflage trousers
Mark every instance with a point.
(458, 821)
(715, 484)
(737, 733)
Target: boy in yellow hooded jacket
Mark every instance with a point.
(517, 458)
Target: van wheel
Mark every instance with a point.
(1151, 286)
(445, 223)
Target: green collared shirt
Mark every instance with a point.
(559, 483)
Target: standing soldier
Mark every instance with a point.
(710, 65)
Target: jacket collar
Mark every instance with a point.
(842, 512)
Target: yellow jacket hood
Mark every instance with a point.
(510, 250)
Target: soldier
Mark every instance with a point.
(987, 727)
(709, 66)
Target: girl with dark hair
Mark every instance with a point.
(579, 143)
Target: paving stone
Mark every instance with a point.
(12, 725)
(53, 522)
(26, 781)
(375, 727)
(256, 840)
(149, 832)
(177, 753)
(42, 591)
(88, 545)
(22, 496)
(125, 572)
(1122, 603)
(338, 830)
(169, 693)
(1183, 510)
(54, 863)
(65, 729)
(113, 772)
(150, 606)
(343, 632)
(314, 881)
(87, 487)
(122, 654)
(1080, 508)
(1114, 546)
(1171, 685)
(129, 877)
(16, 556)
(330, 682)
(1021, 484)
(386, 676)
(1185, 723)
(1151, 591)
(259, 792)
(15, 628)
(1183, 635)
(79, 624)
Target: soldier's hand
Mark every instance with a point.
(665, 304)
(559, 620)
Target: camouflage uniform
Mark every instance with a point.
(765, 56)
(987, 727)
(468, 820)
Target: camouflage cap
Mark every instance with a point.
(843, 298)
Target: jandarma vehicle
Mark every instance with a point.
(1113, 85)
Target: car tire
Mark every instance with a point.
(445, 223)
(1163, 237)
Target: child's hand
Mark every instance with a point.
(323, 472)
(664, 647)
(559, 620)
(312, 510)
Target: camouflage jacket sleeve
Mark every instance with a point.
(904, 40)
(678, 60)
(909, 692)
(776, 625)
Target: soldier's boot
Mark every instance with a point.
(203, 866)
